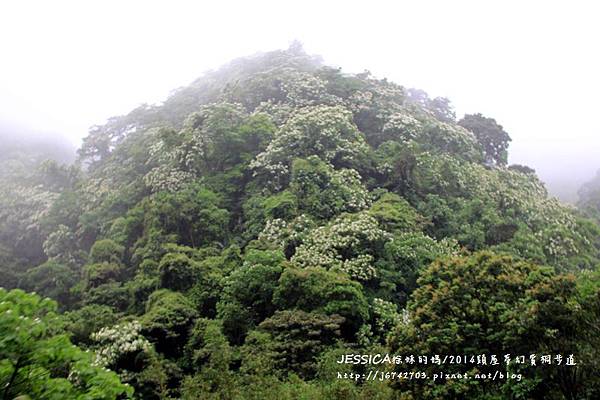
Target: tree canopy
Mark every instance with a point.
(237, 239)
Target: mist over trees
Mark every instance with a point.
(236, 240)
(20, 143)
(589, 198)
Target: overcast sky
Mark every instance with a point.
(534, 66)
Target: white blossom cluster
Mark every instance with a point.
(118, 340)
(355, 195)
(517, 196)
(55, 244)
(449, 246)
(164, 177)
(523, 194)
(381, 99)
(324, 131)
(360, 101)
(280, 232)
(557, 243)
(386, 317)
(178, 163)
(275, 231)
(386, 314)
(381, 96)
(304, 89)
(405, 317)
(95, 190)
(360, 267)
(452, 139)
(409, 245)
(280, 113)
(24, 208)
(343, 244)
(402, 126)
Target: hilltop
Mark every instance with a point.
(235, 240)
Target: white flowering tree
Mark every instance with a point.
(323, 131)
(119, 344)
(504, 208)
(350, 243)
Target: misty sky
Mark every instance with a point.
(66, 65)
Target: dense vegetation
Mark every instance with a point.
(589, 198)
(236, 240)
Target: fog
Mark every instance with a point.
(67, 65)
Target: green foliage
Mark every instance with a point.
(349, 243)
(396, 215)
(112, 294)
(168, 317)
(10, 271)
(501, 208)
(405, 257)
(60, 246)
(38, 360)
(81, 323)
(176, 271)
(211, 356)
(589, 198)
(247, 296)
(298, 337)
(490, 135)
(283, 205)
(106, 251)
(323, 131)
(324, 192)
(53, 280)
(484, 304)
(276, 214)
(98, 274)
(327, 292)
(193, 214)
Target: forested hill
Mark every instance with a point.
(33, 169)
(589, 198)
(234, 241)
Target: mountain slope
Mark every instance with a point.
(278, 213)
